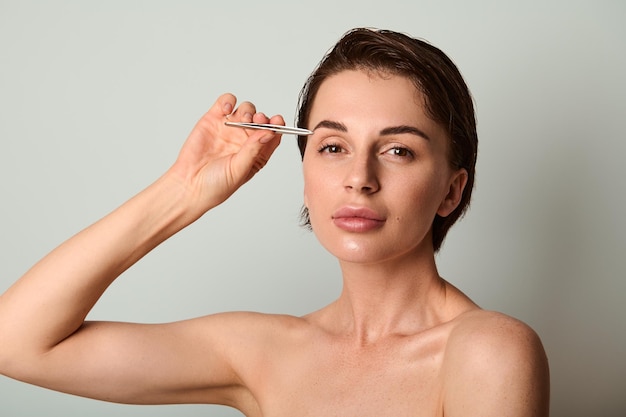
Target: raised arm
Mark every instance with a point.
(44, 339)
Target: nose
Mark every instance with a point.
(361, 175)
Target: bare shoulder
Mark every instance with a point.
(250, 335)
(495, 364)
(242, 348)
(480, 331)
(251, 325)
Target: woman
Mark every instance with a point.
(388, 170)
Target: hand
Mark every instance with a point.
(217, 159)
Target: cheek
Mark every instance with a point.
(314, 191)
(417, 201)
(307, 182)
(320, 194)
(312, 185)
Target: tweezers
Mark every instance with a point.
(274, 128)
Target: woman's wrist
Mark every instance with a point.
(163, 208)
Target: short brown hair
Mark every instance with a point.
(448, 100)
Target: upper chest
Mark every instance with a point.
(398, 378)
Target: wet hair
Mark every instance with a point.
(448, 101)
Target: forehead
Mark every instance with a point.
(379, 98)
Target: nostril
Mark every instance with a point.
(362, 176)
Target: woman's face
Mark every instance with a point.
(376, 169)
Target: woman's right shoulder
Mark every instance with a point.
(256, 327)
(251, 341)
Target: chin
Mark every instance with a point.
(357, 250)
(374, 248)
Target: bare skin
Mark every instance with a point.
(399, 341)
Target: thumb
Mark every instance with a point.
(254, 154)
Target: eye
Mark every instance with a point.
(400, 152)
(330, 148)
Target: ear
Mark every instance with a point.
(455, 192)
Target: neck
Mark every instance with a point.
(394, 298)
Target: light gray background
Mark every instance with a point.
(97, 97)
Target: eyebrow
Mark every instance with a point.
(397, 130)
(392, 130)
(329, 124)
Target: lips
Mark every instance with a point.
(357, 219)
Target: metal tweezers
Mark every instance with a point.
(274, 128)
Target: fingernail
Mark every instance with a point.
(228, 108)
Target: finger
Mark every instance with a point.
(224, 105)
(260, 118)
(269, 138)
(277, 120)
(255, 153)
(244, 112)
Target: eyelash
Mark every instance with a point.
(327, 146)
(406, 153)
